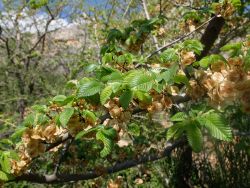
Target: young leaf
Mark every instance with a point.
(172, 131)
(169, 56)
(59, 99)
(88, 88)
(126, 98)
(5, 163)
(181, 79)
(3, 176)
(139, 80)
(143, 96)
(193, 45)
(66, 115)
(85, 132)
(208, 60)
(114, 76)
(105, 94)
(169, 74)
(179, 116)
(216, 126)
(106, 136)
(194, 137)
(234, 48)
(134, 129)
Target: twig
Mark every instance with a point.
(126, 11)
(181, 38)
(144, 3)
(62, 154)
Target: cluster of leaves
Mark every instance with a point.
(118, 88)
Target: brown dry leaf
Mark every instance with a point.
(187, 58)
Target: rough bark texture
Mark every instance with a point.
(211, 34)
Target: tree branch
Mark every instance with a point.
(144, 3)
(59, 178)
(182, 37)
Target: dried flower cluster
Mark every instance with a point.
(33, 144)
(225, 83)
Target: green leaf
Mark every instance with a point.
(18, 132)
(72, 84)
(40, 108)
(105, 94)
(181, 79)
(208, 60)
(134, 129)
(179, 116)
(139, 80)
(88, 88)
(247, 60)
(169, 74)
(36, 4)
(143, 96)
(236, 3)
(3, 176)
(172, 131)
(107, 58)
(5, 163)
(85, 132)
(66, 115)
(126, 98)
(59, 99)
(169, 56)
(106, 136)
(116, 86)
(114, 76)
(89, 115)
(216, 125)
(235, 48)
(193, 45)
(194, 137)
(114, 34)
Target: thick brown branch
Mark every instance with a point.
(211, 34)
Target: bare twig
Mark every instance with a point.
(181, 38)
(62, 154)
(127, 9)
(144, 3)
